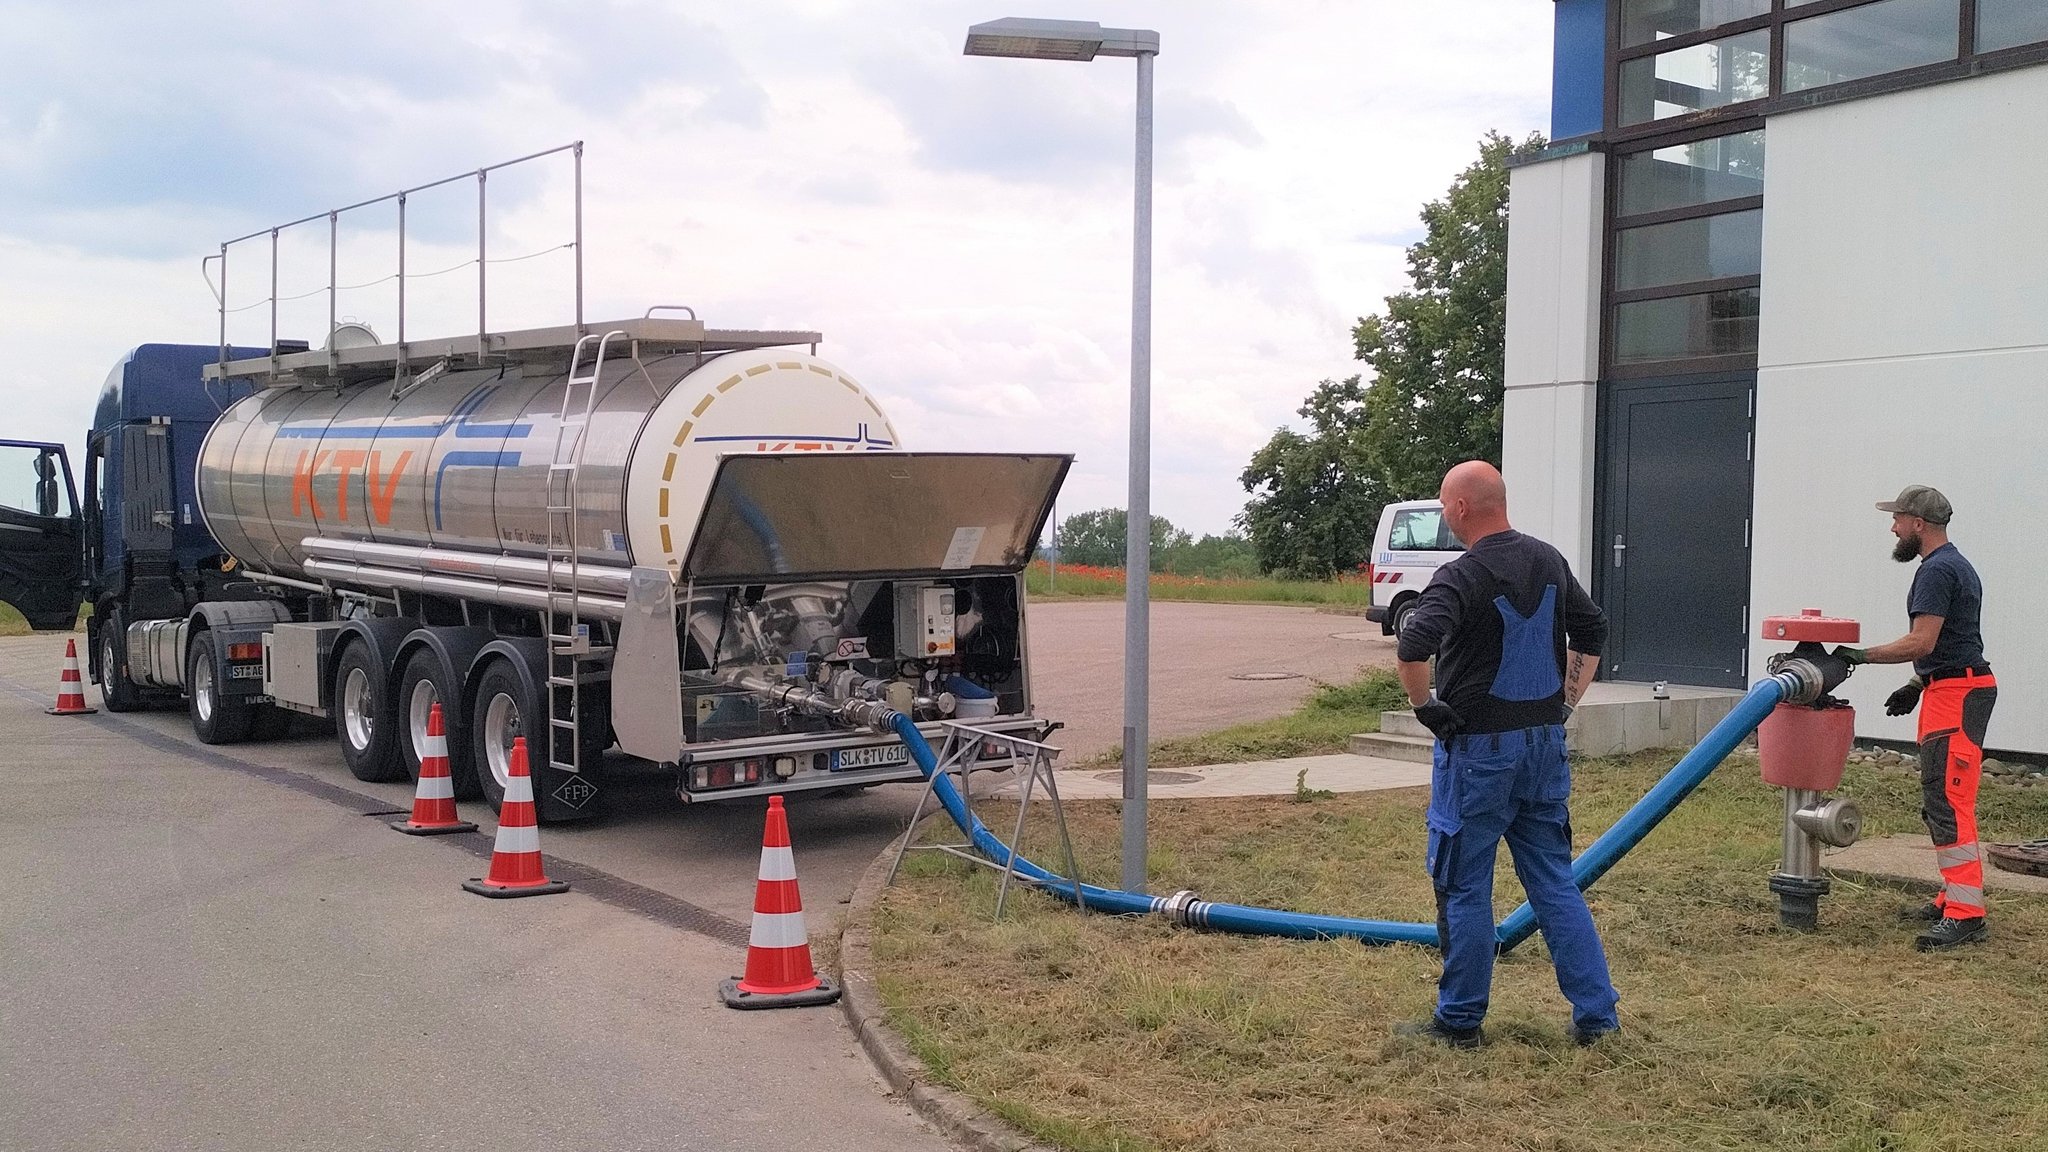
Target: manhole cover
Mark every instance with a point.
(1266, 676)
(1153, 776)
(1374, 634)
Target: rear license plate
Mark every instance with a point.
(245, 671)
(880, 756)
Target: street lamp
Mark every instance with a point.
(1085, 40)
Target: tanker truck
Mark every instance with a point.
(705, 548)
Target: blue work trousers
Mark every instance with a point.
(1512, 786)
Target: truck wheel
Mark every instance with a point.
(364, 718)
(216, 718)
(504, 709)
(423, 684)
(117, 691)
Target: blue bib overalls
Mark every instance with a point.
(1512, 786)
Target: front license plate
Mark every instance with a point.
(880, 756)
(245, 671)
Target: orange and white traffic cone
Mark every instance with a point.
(433, 802)
(779, 972)
(515, 858)
(70, 689)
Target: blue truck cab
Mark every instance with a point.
(134, 546)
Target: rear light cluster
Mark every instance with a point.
(740, 773)
(245, 651)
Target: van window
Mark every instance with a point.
(32, 481)
(1420, 530)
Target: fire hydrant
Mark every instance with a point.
(1803, 749)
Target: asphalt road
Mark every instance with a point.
(216, 948)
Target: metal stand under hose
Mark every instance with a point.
(963, 745)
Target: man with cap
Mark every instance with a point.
(1953, 688)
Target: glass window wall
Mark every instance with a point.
(1686, 327)
(1869, 40)
(1701, 172)
(1643, 21)
(2010, 23)
(1703, 248)
(1710, 75)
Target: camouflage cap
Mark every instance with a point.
(1919, 500)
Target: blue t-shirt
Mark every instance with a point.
(1946, 586)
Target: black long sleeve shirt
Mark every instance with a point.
(1499, 619)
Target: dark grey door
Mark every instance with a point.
(1674, 552)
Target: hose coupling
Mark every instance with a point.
(1181, 908)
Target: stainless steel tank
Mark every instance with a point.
(461, 462)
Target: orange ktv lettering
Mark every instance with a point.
(302, 482)
(381, 493)
(343, 461)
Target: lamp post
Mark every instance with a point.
(1085, 40)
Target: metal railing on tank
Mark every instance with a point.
(482, 260)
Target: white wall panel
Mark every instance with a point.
(1905, 340)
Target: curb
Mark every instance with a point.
(965, 1122)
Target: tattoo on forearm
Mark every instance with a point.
(1572, 687)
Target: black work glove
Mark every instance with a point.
(1903, 701)
(1440, 718)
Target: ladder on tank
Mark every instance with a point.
(568, 637)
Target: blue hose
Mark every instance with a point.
(1590, 865)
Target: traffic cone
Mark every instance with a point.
(515, 858)
(70, 689)
(779, 972)
(433, 803)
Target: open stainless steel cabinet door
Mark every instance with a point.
(777, 519)
(41, 557)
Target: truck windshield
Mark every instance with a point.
(32, 481)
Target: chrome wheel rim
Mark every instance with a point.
(501, 727)
(419, 708)
(202, 689)
(356, 720)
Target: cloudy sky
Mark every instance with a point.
(959, 229)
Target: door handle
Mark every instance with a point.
(1619, 548)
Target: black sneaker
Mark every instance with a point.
(1949, 932)
(1927, 913)
(1442, 1033)
(1587, 1037)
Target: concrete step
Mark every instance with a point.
(1390, 746)
(1402, 724)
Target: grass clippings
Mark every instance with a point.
(1100, 1034)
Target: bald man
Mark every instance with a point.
(1516, 641)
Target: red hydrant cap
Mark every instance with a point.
(1811, 625)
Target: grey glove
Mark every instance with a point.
(1903, 701)
(1440, 718)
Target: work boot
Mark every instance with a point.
(1948, 932)
(1927, 913)
(1587, 1037)
(1442, 1033)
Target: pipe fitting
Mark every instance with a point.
(1180, 908)
(1837, 823)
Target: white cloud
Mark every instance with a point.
(958, 228)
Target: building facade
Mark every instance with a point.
(1782, 258)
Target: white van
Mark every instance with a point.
(1411, 544)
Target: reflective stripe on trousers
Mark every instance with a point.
(1954, 715)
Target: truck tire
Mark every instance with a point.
(216, 718)
(505, 707)
(365, 718)
(424, 683)
(117, 691)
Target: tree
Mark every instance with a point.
(1314, 501)
(1437, 355)
(1438, 352)
(1097, 538)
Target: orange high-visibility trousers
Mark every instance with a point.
(1954, 713)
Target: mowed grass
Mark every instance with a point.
(1322, 724)
(1103, 1034)
(1082, 582)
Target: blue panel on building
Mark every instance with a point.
(1578, 89)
